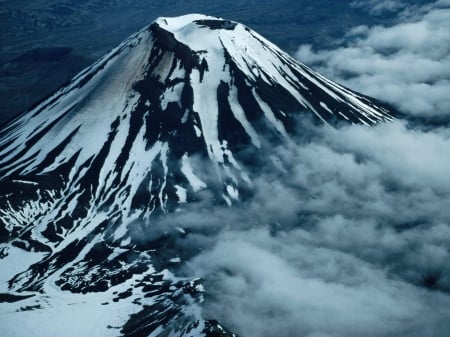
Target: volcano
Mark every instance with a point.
(177, 112)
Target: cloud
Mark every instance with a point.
(265, 285)
(407, 64)
(377, 7)
(351, 231)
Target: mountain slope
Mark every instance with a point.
(176, 113)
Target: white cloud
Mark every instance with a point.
(407, 64)
(378, 7)
(291, 284)
(348, 237)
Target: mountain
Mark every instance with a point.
(90, 28)
(178, 112)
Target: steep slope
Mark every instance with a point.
(168, 117)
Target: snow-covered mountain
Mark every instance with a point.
(174, 113)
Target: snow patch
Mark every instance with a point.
(188, 172)
(181, 193)
(233, 192)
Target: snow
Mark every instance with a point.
(139, 165)
(106, 96)
(363, 121)
(342, 115)
(239, 114)
(25, 182)
(233, 192)
(163, 158)
(188, 172)
(163, 67)
(181, 230)
(269, 115)
(65, 314)
(185, 117)
(181, 193)
(29, 211)
(198, 131)
(227, 200)
(177, 23)
(323, 105)
(15, 262)
(206, 106)
(172, 94)
(175, 260)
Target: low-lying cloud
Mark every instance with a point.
(350, 236)
(407, 64)
(378, 7)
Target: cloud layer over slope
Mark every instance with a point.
(407, 64)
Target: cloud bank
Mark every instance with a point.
(407, 64)
(349, 237)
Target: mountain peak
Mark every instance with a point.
(174, 111)
(180, 88)
(178, 23)
(199, 32)
(186, 87)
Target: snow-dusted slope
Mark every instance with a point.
(85, 170)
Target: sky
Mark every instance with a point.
(348, 232)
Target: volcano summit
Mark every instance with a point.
(174, 114)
